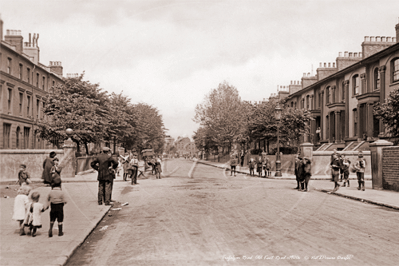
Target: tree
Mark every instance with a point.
(203, 140)
(221, 113)
(78, 105)
(294, 124)
(389, 113)
(149, 128)
(262, 123)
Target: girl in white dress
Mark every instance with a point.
(21, 203)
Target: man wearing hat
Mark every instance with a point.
(105, 165)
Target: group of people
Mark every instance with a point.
(261, 164)
(28, 209)
(341, 167)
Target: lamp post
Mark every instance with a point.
(277, 114)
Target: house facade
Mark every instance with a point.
(342, 95)
(24, 85)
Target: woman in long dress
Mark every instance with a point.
(47, 165)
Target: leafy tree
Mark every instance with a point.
(203, 140)
(389, 113)
(294, 124)
(79, 105)
(262, 123)
(149, 128)
(221, 113)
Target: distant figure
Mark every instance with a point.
(298, 170)
(251, 165)
(233, 164)
(345, 164)
(306, 173)
(335, 165)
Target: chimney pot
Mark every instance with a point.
(355, 54)
(340, 54)
(334, 64)
(325, 64)
(346, 54)
(389, 39)
(383, 39)
(329, 64)
(372, 38)
(308, 74)
(377, 38)
(366, 38)
(350, 54)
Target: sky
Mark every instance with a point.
(171, 54)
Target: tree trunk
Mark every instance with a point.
(87, 148)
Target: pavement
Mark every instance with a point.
(83, 214)
(323, 184)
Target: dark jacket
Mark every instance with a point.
(102, 164)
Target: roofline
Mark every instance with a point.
(347, 69)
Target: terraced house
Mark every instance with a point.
(342, 94)
(24, 84)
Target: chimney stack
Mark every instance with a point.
(397, 32)
(14, 38)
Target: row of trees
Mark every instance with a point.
(97, 116)
(225, 119)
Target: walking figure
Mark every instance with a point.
(345, 163)
(56, 200)
(251, 165)
(360, 166)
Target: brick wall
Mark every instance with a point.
(390, 168)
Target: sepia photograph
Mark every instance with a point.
(186, 132)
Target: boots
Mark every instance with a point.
(50, 231)
(22, 231)
(34, 231)
(363, 186)
(60, 233)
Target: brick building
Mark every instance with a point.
(342, 94)
(24, 84)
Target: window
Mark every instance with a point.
(44, 82)
(395, 70)
(17, 144)
(9, 63)
(9, 99)
(28, 74)
(20, 71)
(21, 100)
(37, 80)
(328, 95)
(376, 79)
(6, 136)
(355, 121)
(26, 137)
(37, 108)
(307, 102)
(343, 91)
(43, 111)
(355, 84)
(28, 106)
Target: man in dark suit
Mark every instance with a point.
(105, 165)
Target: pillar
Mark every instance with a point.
(337, 126)
(322, 118)
(376, 162)
(382, 97)
(363, 83)
(370, 122)
(346, 88)
(359, 121)
(307, 150)
(68, 162)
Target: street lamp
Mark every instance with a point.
(277, 114)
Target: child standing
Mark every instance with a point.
(21, 203)
(23, 175)
(345, 169)
(259, 165)
(233, 164)
(33, 217)
(56, 200)
(55, 171)
(335, 165)
(360, 166)
(158, 168)
(252, 165)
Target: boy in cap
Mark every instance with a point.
(56, 200)
(360, 166)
